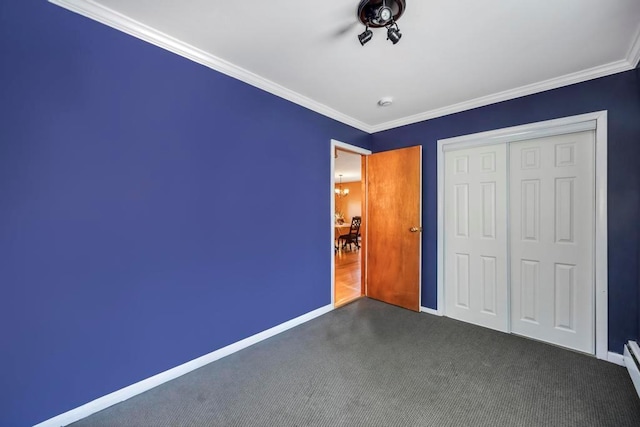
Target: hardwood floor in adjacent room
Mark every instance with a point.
(348, 287)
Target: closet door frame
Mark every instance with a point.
(591, 121)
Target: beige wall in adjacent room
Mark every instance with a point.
(351, 205)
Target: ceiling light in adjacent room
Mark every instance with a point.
(341, 192)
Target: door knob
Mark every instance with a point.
(415, 229)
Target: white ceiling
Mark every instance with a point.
(454, 55)
(348, 165)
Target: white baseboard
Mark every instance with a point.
(632, 367)
(430, 311)
(161, 378)
(616, 358)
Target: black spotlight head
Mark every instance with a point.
(385, 14)
(365, 36)
(394, 35)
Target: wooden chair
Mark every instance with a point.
(354, 234)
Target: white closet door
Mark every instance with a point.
(552, 239)
(475, 274)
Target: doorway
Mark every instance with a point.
(522, 231)
(349, 202)
(389, 249)
(348, 223)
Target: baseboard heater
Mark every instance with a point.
(632, 362)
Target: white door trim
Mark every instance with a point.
(421, 231)
(354, 149)
(597, 121)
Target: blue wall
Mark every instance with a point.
(142, 222)
(620, 95)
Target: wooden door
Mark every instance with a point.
(394, 206)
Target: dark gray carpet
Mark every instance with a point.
(372, 364)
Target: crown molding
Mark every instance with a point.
(113, 19)
(566, 80)
(633, 56)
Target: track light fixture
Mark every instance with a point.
(379, 14)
